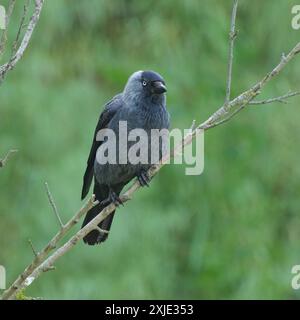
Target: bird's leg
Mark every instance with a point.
(115, 199)
(143, 178)
(112, 198)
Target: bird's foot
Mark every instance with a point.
(112, 198)
(143, 178)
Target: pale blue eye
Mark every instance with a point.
(144, 83)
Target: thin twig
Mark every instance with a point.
(53, 205)
(7, 157)
(281, 99)
(232, 36)
(101, 230)
(21, 26)
(50, 268)
(32, 248)
(193, 126)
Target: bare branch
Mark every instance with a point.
(42, 255)
(224, 113)
(281, 99)
(232, 36)
(53, 205)
(24, 43)
(7, 157)
(92, 225)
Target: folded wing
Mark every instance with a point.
(106, 116)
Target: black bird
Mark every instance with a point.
(143, 105)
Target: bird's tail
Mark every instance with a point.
(95, 236)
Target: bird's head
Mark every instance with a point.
(145, 85)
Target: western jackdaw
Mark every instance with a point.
(142, 104)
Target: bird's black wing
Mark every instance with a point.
(108, 113)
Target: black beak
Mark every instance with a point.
(158, 87)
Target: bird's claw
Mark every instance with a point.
(115, 199)
(143, 178)
(112, 198)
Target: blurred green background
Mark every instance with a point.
(234, 231)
